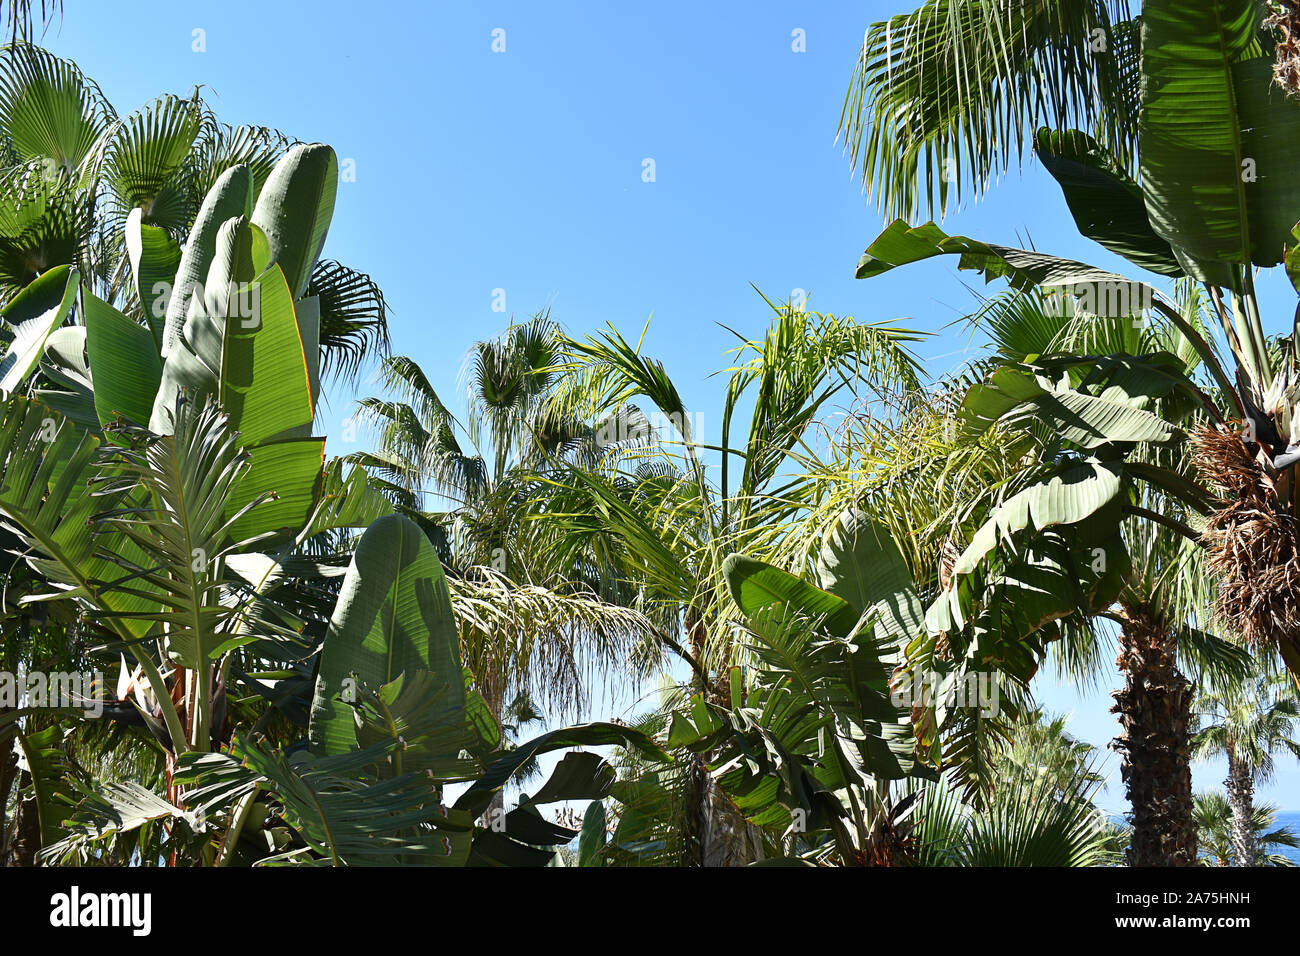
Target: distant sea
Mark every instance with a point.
(1289, 818)
(1283, 818)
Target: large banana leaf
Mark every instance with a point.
(29, 319)
(1106, 203)
(289, 474)
(1217, 139)
(155, 257)
(901, 244)
(756, 586)
(123, 357)
(1068, 496)
(295, 207)
(241, 253)
(265, 385)
(393, 616)
(1014, 393)
(861, 562)
(230, 197)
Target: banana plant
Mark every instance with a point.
(236, 317)
(122, 200)
(396, 719)
(812, 734)
(146, 540)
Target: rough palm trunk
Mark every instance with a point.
(25, 841)
(492, 689)
(1154, 710)
(8, 774)
(1241, 797)
(720, 835)
(726, 837)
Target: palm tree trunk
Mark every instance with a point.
(726, 838)
(1154, 710)
(1241, 797)
(25, 841)
(492, 688)
(8, 774)
(720, 834)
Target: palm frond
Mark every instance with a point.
(353, 318)
(554, 643)
(946, 97)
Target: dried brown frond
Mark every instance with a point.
(891, 841)
(1250, 541)
(948, 555)
(1284, 16)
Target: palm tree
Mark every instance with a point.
(665, 527)
(947, 97)
(527, 627)
(1199, 211)
(1247, 722)
(1040, 746)
(1161, 608)
(936, 476)
(1218, 834)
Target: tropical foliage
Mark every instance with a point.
(847, 592)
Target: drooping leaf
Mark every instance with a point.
(1099, 292)
(393, 616)
(1106, 204)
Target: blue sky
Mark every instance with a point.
(522, 170)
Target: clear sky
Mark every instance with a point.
(522, 171)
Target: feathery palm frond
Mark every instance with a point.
(552, 643)
(946, 97)
(353, 318)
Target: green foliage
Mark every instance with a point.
(393, 616)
